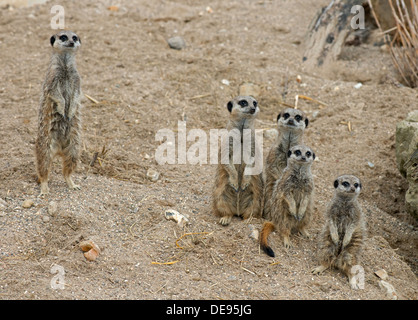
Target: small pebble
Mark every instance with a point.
(176, 43)
(153, 175)
(27, 203)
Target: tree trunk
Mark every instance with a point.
(328, 33)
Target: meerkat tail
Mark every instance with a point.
(268, 228)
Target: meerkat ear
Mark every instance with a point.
(336, 184)
(278, 116)
(79, 40)
(52, 40)
(289, 153)
(229, 106)
(313, 155)
(306, 122)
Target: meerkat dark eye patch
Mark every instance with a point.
(346, 184)
(289, 153)
(298, 153)
(75, 38)
(308, 154)
(298, 118)
(255, 103)
(336, 184)
(243, 103)
(52, 40)
(63, 38)
(286, 116)
(356, 185)
(229, 106)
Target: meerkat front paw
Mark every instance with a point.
(287, 243)
(318, 270)
(245, 182)
(44, 190)
(225, 220)
(335, 238)
(233, 182)
(71, 185)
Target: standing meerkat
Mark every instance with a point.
(59, 125)
(235, 192)
(292, 201)
(344, 231)
(291, 126)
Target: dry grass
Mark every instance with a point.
(404, 44)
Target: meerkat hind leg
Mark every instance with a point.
(44, 188)
(69, 164)
(226, 220)
(319, 269)
(304, 232)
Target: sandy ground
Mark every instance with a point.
(142, 86)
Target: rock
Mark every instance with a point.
(91, 250)
(45, 219)
(382, 274)
(176, 216)
(176, 43)
(91, 255)
(225, 82)
(406, 146)
(406, 140)
(27, 203)
(358, 85)
(390, 290)
(152, 175)
(370, 164)
(249, 89)
(52, 208)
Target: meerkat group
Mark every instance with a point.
(283, 194)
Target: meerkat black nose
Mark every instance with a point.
(304, 158)
(71, 44)
(291, 121)
(252, 111)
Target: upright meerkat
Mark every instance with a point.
(291, 126)
(235, 192)
(59, 125)
(292, 200)
(345, 229)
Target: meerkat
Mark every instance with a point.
(291, 126)
(59, 124)
(235, 192)
(292, 200)
(344, 231)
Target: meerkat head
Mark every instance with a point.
(292, 119)
(243, 106)
(65, 40)
(347, 185)
(300, 154)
